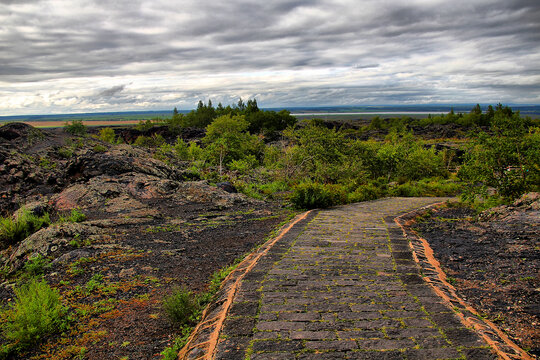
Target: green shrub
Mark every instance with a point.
(147, 141)
(182, 307)
(181, 149)
(243, 165)
(365, 193)
(36, 265)
(75, 216)
(13, 230)
(36, 312)
(65, 153)
(99, 148)
(76, 127)
(312, 195)
(107, 135)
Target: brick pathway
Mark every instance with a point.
(345, 286)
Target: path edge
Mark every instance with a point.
(433, 274)
(203, 341)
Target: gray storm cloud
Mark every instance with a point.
(56, 55)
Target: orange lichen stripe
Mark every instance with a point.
(246, 265)
(467, 321)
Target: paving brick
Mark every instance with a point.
(277, 345)
(280, 325)
(433, 354)
(344, 285)
(313, 335)
(385, 344)
(340, 345)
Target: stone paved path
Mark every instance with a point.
(344, 287)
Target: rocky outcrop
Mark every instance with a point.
(525, 210)
(119, 160)
(50, 240)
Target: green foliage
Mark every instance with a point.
(36, 312)
(98, 148)
(76, 127)
(65, 152)
(312, 195)
(226, 140)
(107, 134)
(243, 166)
(36, 265)
(365, 193)
(181, 307)
(506, 159)
(149, 141)
(15, 229)
(181, 149)
(75, 216)
(46, 163)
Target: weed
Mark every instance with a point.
(75, 216)
(99, 148)
(36, 265)
(182, 307)
(37, 311)
(95, 283)
(75, 267)
(77, 242)
(65, 152)
(13, 230)
(46, 164)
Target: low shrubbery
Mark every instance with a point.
(311, 195)
(181, 307)
(75, 216)
(75, 127)
(17, 228)
(36, 312)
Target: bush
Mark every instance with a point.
(312, 195)
(65, 153)
(99, 148)
(182, 307)
(76, 127)
(35, 313)
(75, 216)
(36, 265)
(13, 230)
(366, 193)
(107, 135)
(147, 141)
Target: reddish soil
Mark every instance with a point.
(494, 264)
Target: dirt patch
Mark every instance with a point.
(493, 261)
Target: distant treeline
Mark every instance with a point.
(267, 122)
(474, 118)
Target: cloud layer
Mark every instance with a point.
(101, 55)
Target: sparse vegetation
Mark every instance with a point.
(75, 216)
(16, 228)
(36, 312)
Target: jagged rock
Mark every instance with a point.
(526, 209)
(15, 130)
(72, 256)
(120, 160)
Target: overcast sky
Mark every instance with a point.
(61, 56)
